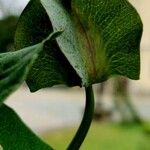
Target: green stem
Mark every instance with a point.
(86, 121)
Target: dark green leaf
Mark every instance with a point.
(14, 67)
(15, 135)
(68, 42)
(101, 38)
(51, 67)
(7, 31)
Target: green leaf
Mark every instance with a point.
(14, 66)
(68, 42)
(101, 38)
(51, 67)
(15, 135)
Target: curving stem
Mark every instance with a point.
(86, 121)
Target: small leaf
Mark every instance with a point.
(15, 135)
(51, 67)
(101, 38)
(14, 66)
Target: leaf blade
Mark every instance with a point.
(109, 33)
(68, 41)
(51, 68)
(14, 134)
(120, 28)
(14, 67)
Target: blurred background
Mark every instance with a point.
(122, 112)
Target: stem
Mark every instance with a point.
(86, 121)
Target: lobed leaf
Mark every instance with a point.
(15, 135)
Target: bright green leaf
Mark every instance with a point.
(51, 67)
(15, 135)
(101, 38)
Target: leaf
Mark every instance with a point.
(15, 135)
(68, 42)
(51, 67)
(101, 38)
(14, 66)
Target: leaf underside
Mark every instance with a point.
(14, 135)
(118, 29)
(51, 67)
(101, 38)
(14, 67)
